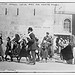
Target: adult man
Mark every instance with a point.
(31, 44)
(49, 41)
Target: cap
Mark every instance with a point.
(30, 28)
(47, 32)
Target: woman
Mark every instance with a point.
(8, 48)
(67, 53)
(16, 46)
(1, 49)
(23, 52)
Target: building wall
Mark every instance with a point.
(73, 24)
(59, 26)
(40, 16)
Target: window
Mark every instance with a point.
(67, 25)
(5, 11)
(34, 12)
(17, 11)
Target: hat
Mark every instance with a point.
(30, 28)
(8, 38)
(47, 32)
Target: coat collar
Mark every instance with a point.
(30, 33)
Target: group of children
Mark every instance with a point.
(19, 48)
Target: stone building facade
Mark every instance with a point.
(17, 17)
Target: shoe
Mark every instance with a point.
(11, 58)
(5, 59)
(37, 60)
(28, 62)
(32, 63)
(46, 61)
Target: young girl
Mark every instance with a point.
(8, 48)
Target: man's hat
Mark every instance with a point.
(47, 32)
(30, 28)
(8, 38)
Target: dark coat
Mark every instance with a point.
(32, 42)
(8, 47)
(48, 39)
(23, 52)
(67, 53)
(1, 42)
(1, 49)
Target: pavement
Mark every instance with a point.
(54, 65)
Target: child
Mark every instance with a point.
(37, 50)
(44, 51)
(8, 48)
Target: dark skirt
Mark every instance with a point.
(23, 53)
(44, 53)
(6, 52)
(67, 53)
(69, 61)
(1, 51)
(49, 51)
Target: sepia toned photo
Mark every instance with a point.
(37, 37)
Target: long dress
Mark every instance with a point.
(8, 48)
(44, 51)
(23, 52)
(1, 49)
(49, 45)
(67, 53)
